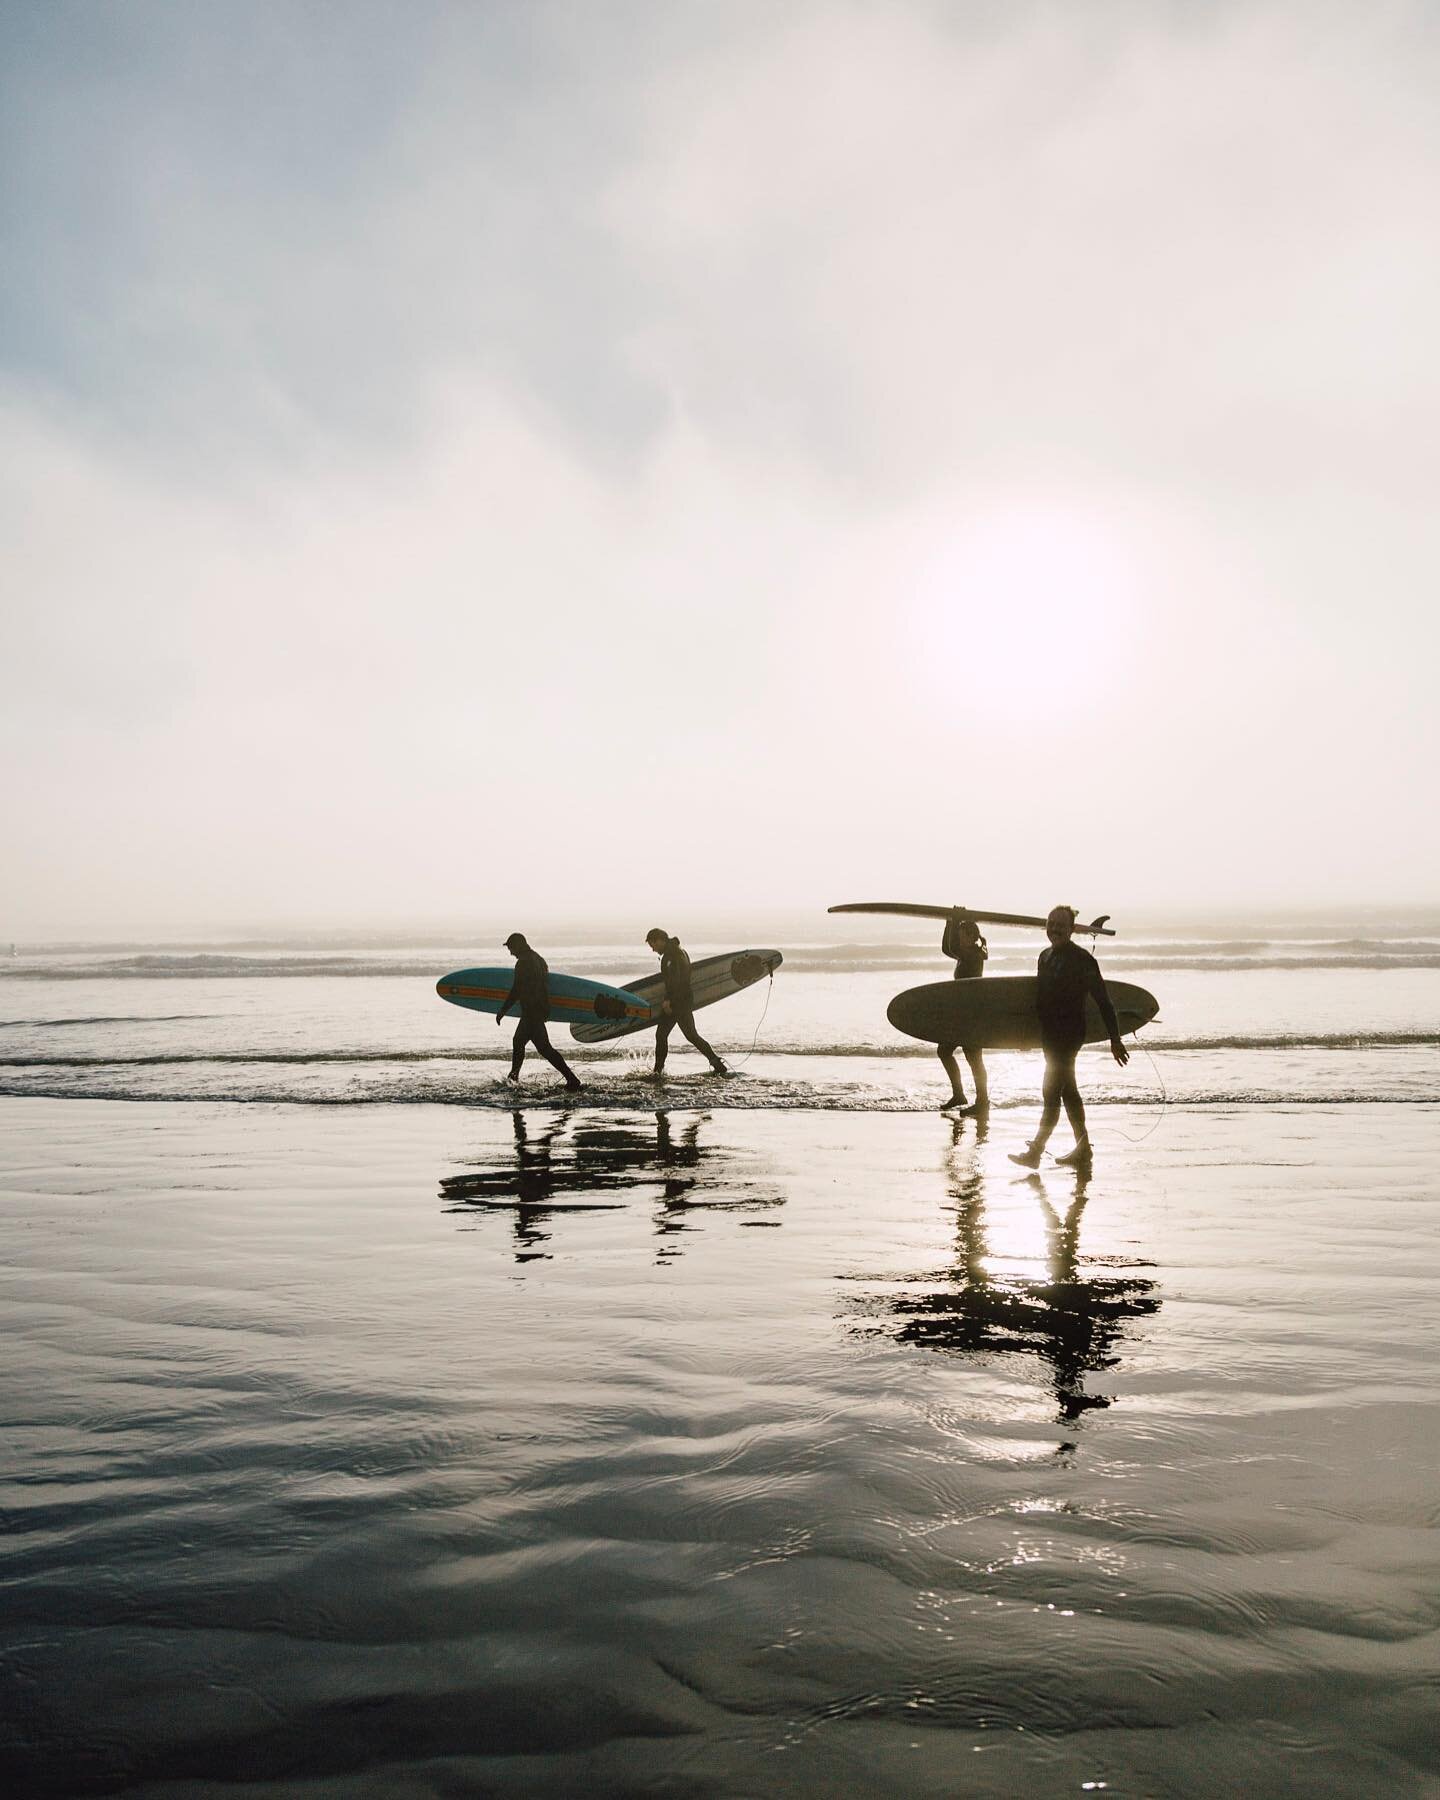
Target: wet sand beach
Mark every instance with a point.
(410, 1449)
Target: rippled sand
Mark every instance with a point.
(410, 1450)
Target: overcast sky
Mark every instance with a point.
(544, 460)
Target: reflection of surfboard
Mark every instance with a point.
(712, 978)
(571, 996)
(905, 910)
(997, 1012)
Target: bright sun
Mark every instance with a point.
(1039, 601)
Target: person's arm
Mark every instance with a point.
(1101, 996)
(948, 945)
(511, 996)
(667, 977)
(676, 970)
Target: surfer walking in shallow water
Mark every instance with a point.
(529, 993)
(964, 942)
(678, 1006)
(1066, 976)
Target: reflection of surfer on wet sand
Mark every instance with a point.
(528, 1185)
(588, 1165)
(1071, 1320)
(1086, 1314)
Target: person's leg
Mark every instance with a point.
(540, 1038)
(1050, 1099)
(517, 1049)
(946, 1053)
(686, 1021)
(662, 1041)
(976, 1059)
(1049, 1114)
(1075, 1113)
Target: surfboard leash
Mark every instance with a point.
(1154, 1069)
(1164, 1100)
(769, 989)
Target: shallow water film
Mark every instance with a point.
(412, 1450)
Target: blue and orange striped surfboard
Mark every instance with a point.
(572, 998)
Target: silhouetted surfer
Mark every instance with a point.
(528, 992)
(1066, 976)
(679, 1004)
(964, 942)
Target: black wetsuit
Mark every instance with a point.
(529, 990)
(530, 994)
(969, 962)
(675, 967)
(1065, 977)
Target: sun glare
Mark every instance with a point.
(1028, 601)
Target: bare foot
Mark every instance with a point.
(1028, 1158)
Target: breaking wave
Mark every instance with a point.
(823, 959)
(165, 966)
(103, 1019)
(499, 1051)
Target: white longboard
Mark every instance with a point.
(712, 978)
(906, 909)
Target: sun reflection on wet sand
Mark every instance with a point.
(1047, 1303)
(907, 1463)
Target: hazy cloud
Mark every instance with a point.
(704, 452)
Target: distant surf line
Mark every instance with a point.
(1133, 959)
(1420, 1038)
(104, 1019)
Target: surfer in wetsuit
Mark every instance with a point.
(964, 942)
(1065, 977)
(528, 992)
(678, 1007)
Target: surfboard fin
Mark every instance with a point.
(1098, 923)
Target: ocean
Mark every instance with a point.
(373, 1428)
(1303, 1019)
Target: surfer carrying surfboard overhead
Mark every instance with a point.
(530, 994)
(1066, 977)
(678, 1007)
(964, 942)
